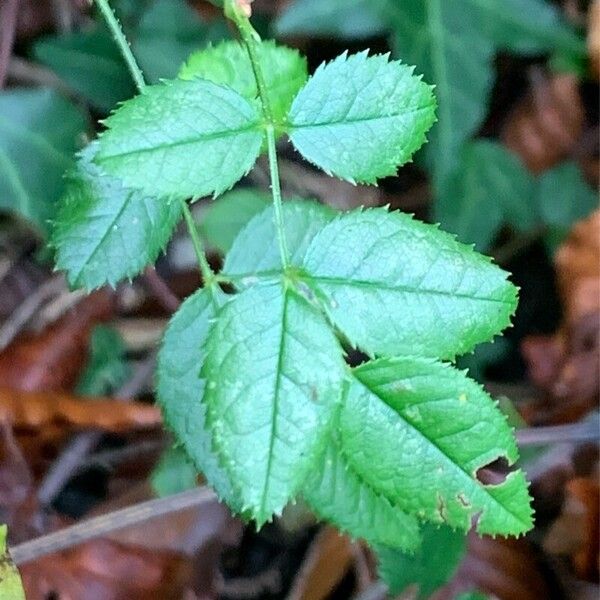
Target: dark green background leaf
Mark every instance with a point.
(174, 473)
(352, 19)
(430, 567)
(90, 62)
(227, 215)
(39, 132)
(106, 369)
(167, 33)
(491, 184)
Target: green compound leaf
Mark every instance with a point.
(39, 131)
(361, 117)
(90, 62)
(354, 19)
(337, 493)
(180, 388)
(228, 214)
(182, 139)
(104, 232)
(419, 431)
(167, 33)
(491, 183)
(284, 70)
(405, 287)
(255, 251)
(429, 568)
(274, 376)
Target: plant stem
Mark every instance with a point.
(99, 526)
(115, 28)
(582, 432)
(208, 275)
(251, 40)
(138, 77)
(276, 191)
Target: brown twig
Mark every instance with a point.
(21, 316)
(104, 524)
(376, 591)
(161, 291)
(362, 572)
(585, 431)
(66, 465)
(110, 458)
(8, 27)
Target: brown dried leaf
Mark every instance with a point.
(327, 561)
(38, 410)
(53, 359)
(576, 532)
(16, 481)
(565, 365)
(107, 570)
(578, 269)
(198, 532)
(545, 126)
(506, 569)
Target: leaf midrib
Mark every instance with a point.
(101, 157)
(379, 285)
(104, 236)
(407, 113)
(275, 410)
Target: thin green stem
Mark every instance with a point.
(252, 40)
(117, 32)
(208, 275)
(276, 192)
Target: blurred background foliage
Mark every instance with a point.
(511, 166)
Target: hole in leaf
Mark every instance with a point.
(355, 357)
(493, 473)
